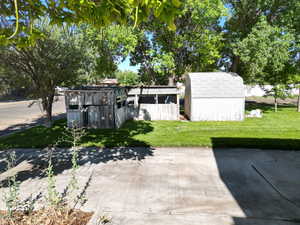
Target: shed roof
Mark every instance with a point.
(216, 85)
(98, 88)
(152, 90)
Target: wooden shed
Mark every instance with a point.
(214, 96)
(97, 106)
(154, 102)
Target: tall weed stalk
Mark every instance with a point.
(12, 197)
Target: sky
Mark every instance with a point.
(126, 65)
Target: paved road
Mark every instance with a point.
(17, 115)
(171, 186)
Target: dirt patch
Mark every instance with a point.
(47, 217)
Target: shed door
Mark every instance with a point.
(106, 117)
(100, 117)
(75, 118)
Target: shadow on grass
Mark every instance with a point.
(260, 143)
(123, 137)
(61, 158)
(41, 137)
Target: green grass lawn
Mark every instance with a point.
(279, 130)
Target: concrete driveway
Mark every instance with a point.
(168, 186)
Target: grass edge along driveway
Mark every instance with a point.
(279, 130)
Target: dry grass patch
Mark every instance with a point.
(47, 217)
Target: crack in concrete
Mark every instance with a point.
(274, 187)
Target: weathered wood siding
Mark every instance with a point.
(75, 118)
(121, 115)
(95, 109)
(109, 107)
(100, 117)
(89, 98)
(98, 98)
(73, 98)
(132, 112)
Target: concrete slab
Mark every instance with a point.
(190, 219)
(280, 172)
(171, 185)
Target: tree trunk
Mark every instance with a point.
(47, 107)
(275, 103)
(298, 103)
(235, 64)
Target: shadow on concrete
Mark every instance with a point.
(255, 221)
(261, 202)
(61, 158)
(23, 126)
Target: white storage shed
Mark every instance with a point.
(214, 96)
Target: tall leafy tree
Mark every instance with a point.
(266, 54)
(17, 16)
(127, 77)
(195, 45)
(53, 61)
(293, 71)
(110, 45)
(156, 66)
(12, 84)
(245, 14)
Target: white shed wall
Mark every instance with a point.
(214, 96)
(159, 112)
(217, 109)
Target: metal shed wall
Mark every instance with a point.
(215, 96)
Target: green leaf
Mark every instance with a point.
(177, 3)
